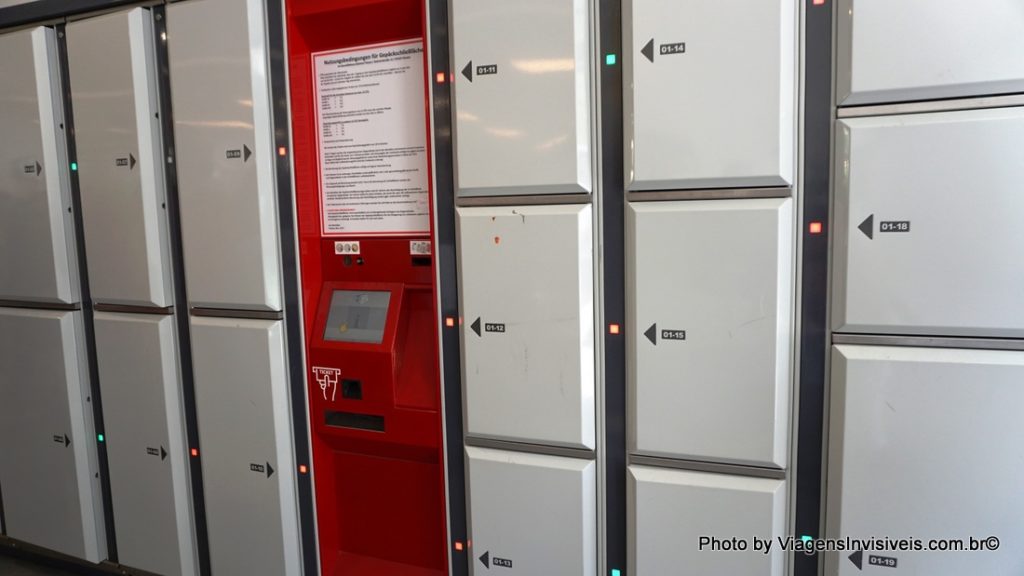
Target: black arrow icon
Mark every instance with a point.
(868, 227)
(476, 326)
(270, 470)
(486, 560)
(648, 50)
(468, 71)
(131, 161)
(246, 153)
(652, 334)
(163, 454)
(858, 559)
(38, 168)
(67, 441)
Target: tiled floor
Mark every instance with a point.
(11, 566)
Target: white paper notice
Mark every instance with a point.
(372, 128)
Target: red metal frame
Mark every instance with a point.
(380, 495)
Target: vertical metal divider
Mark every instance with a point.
(814, 278)
(448, 286)
(181, 308)
(614, 281)
(86, 296)
(293, 322)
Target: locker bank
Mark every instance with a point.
(524, 288)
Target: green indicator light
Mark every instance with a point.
(616, 571)
(99, 437)
(807, 538)
(610, 60)
(74, 166)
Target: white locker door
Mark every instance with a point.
(709, 93)
(928, 234)
(522, 96)
(117, 133)
(225, 153)
(38, 259)
(671, 510)
(710, 303)
(925, 443)
(48, 466)
(926, 49)
(147, 451)
(531, 514)
(245, 432)
(528, 326)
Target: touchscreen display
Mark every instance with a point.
(357, 316)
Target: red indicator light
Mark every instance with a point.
(195, 452)
(818, 2)
(815, 227)
(440, 77)
(614, 328)
(282, 151)
(449, 321)
(458, 546)
(303, 469)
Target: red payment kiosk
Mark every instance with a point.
(359, 80)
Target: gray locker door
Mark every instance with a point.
(531, 514)
(527, 302)
(37, 252)
(670, 510)
(48, 466)
(927, 49)
(710, 287)
(225, 155)
(928, 236)
(709, 93)
(245, 433)
(523, 97)
(926, 443)
(146, 447)
(117, 134)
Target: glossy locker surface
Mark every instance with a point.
(117, 134)
(48, 466)
(245, 431)
(147, 452)
(38, 261)
(523, 122)
(532, 514)
(670, 510)
(528, 327)
(927, 49)
(928, 232)
(224, 141)
(710, 291)
(924, 444)
(709, 93)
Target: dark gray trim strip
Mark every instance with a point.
(717, 194)
(956, 104)
(710, 467)
(448, 287)
(232, 313)
(816, 165)
(48, 10)
(580, 453)
(291, 283)
(87, 313)
(128, 309)
(38, 305)
(181, 317)
(928, 341)
(525, 200)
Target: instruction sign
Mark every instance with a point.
(372, 139)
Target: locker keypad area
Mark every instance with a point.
(544, 287)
